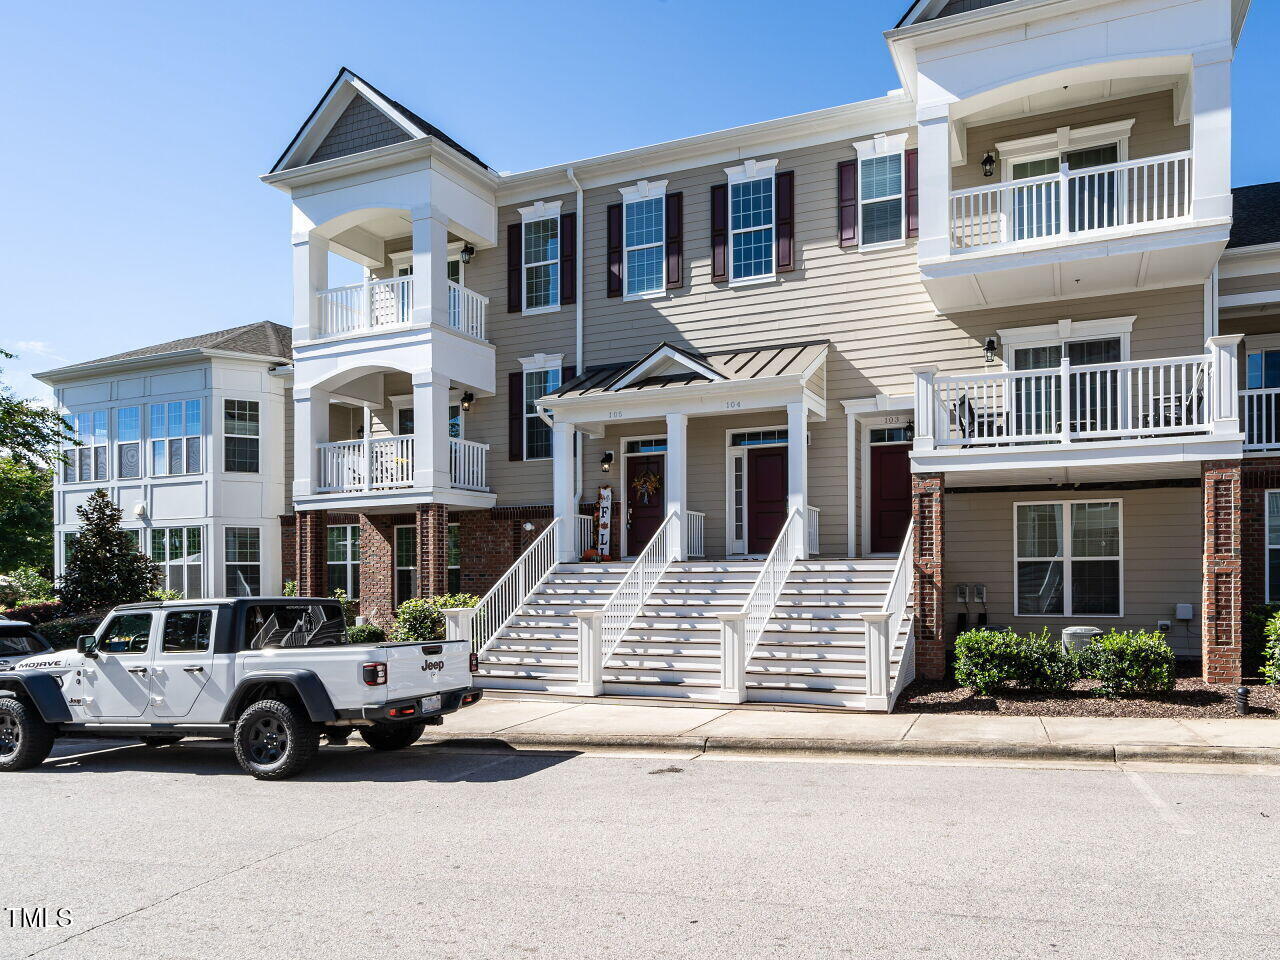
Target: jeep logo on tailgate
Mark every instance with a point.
(433, 665)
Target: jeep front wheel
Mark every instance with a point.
(25, 739)
(275, 740)
(393, 736)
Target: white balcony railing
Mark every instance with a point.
(377, 304)
(1261, 413)
(1139, 398)
(385, 462)
(695, 532)
(812, 529)
(1072, 202)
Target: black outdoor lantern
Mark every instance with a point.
(606, 462)
(989, 349)
(989, 165)
(468, 398)
(467, 252)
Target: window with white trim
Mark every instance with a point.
(644, 262)
(1068, 559)
(751, 219)
(453, 558)
(240, 429)
(406, 563)
(175, 429)
(1273, 546)
(85, 447)
(180, 554)
(882, 198)
(343, 558)
(540, 273)
(537, 433)
(244, 561)
(128, 443)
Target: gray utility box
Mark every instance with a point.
(1075, 639)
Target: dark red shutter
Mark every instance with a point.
(720, 232)
(515, 415)
(675, 240)
(913, 193)
(568, 258)
(613, 223)
(515, 296)
(784, 212)
(847, 202)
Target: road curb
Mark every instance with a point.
(966, 749)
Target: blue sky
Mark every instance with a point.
(132, 211)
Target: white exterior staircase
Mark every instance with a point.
(813, 649)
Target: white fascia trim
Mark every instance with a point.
(542, 361)
(880, 403)
(1068, 138)
(881, 145)
(1050, 334)
(541, 210)
(750, 170)
(644, 190)
(1230, 301)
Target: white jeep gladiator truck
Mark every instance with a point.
(273, 675)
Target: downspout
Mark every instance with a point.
(579, 269)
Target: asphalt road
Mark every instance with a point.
(423, 854)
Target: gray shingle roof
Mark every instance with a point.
(1256, 215)
(264, 339)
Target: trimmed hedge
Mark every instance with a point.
(990, 661)
(62, 634)
(37, 613)
(1271, 652)
(1129, 662)
(366, 633)
(422, 618)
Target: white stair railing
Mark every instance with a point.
(481, 624)
(883, 628)
(695, 533)
(600, 630)
(740, 631)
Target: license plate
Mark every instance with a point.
(430, 704)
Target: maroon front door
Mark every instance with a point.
(645, 510)
(766, 496)
(890, 496)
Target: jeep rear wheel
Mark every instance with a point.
(393, 736)
(275, 740)
(25, 739)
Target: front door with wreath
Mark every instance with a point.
(646, 499)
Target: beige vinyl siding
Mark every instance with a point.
(1154, 132)
(1254, 326)
(1260, 283)
(1161, 543)
(288, 448)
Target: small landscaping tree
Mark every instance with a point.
(104, 567)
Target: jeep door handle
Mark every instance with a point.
(194, 669)
(142, 670)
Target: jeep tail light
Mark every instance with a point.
(473, 663)
(375, 674)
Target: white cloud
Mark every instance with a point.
(38, 347)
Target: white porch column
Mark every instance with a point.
(853, 454)
(1211, 133)
(310, 429)
(430, 256)
(677, 480)
(933, 130)
(562, 491)
(430, 430)
(926, 406)
(1225, 353)
(798, 468)
(310, 273)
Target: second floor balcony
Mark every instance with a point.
(386, 463)
(377, 305)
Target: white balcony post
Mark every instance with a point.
(430, 431)
(677, 479)
(926, 405)
(310, 275)
(933, 130)
(733, 667)
(1224, 352)
(562, 486)
(310, 429)
(1064, 374)
(590, 662)
(368, 447)
(1063, 207)
(878, 646)
(430, 266)
(1211, 133)
(798, 465)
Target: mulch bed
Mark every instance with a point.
(1191, 698)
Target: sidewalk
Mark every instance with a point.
(559, 724)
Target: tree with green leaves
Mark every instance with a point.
(103, 566)
(29, 433)
(26, 516)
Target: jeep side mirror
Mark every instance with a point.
(88, 645)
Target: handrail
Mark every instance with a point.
(758, 609)
(481, 624)
(633, 591)
(883, 627)
(1072, 174)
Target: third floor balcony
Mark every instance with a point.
(378, 305)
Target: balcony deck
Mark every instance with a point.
(378, 305)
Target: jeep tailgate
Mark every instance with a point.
(419, 669)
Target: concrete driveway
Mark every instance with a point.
(175, 854)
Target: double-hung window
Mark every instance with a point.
(1273, 545)
(1067, 559)
(244, 561)
(179, 552)
(128, 443)
(406, 557)
(175, 429)
(85, 449)
(643, 238)
(751, 221)
(453, 558)
(240, 428)
(541, 257)
(537, 434)
(882, 194)
(344, 559)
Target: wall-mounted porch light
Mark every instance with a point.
(467, 252)
(606, 462)
(989, 349)
(989, 165)
(467, 400)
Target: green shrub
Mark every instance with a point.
(62, 634)
(24, 585)
(1271, 652)
(1129, 662)
(290, 588)
(39, 612)
(422, 618)
(990, 661)
(350, 607)
(164, 593)
(366, 633)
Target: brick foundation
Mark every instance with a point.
(433, 547)
(926, 511)
(288, 547)
(1223, 593)
(311, 545)
(377, 567)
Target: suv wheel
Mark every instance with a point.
(275, 740)
(25, 739)
(393, 736)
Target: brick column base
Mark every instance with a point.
(926, 512)
(433, 549)
(377, 568)
(1222, 590)
(312, 531)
